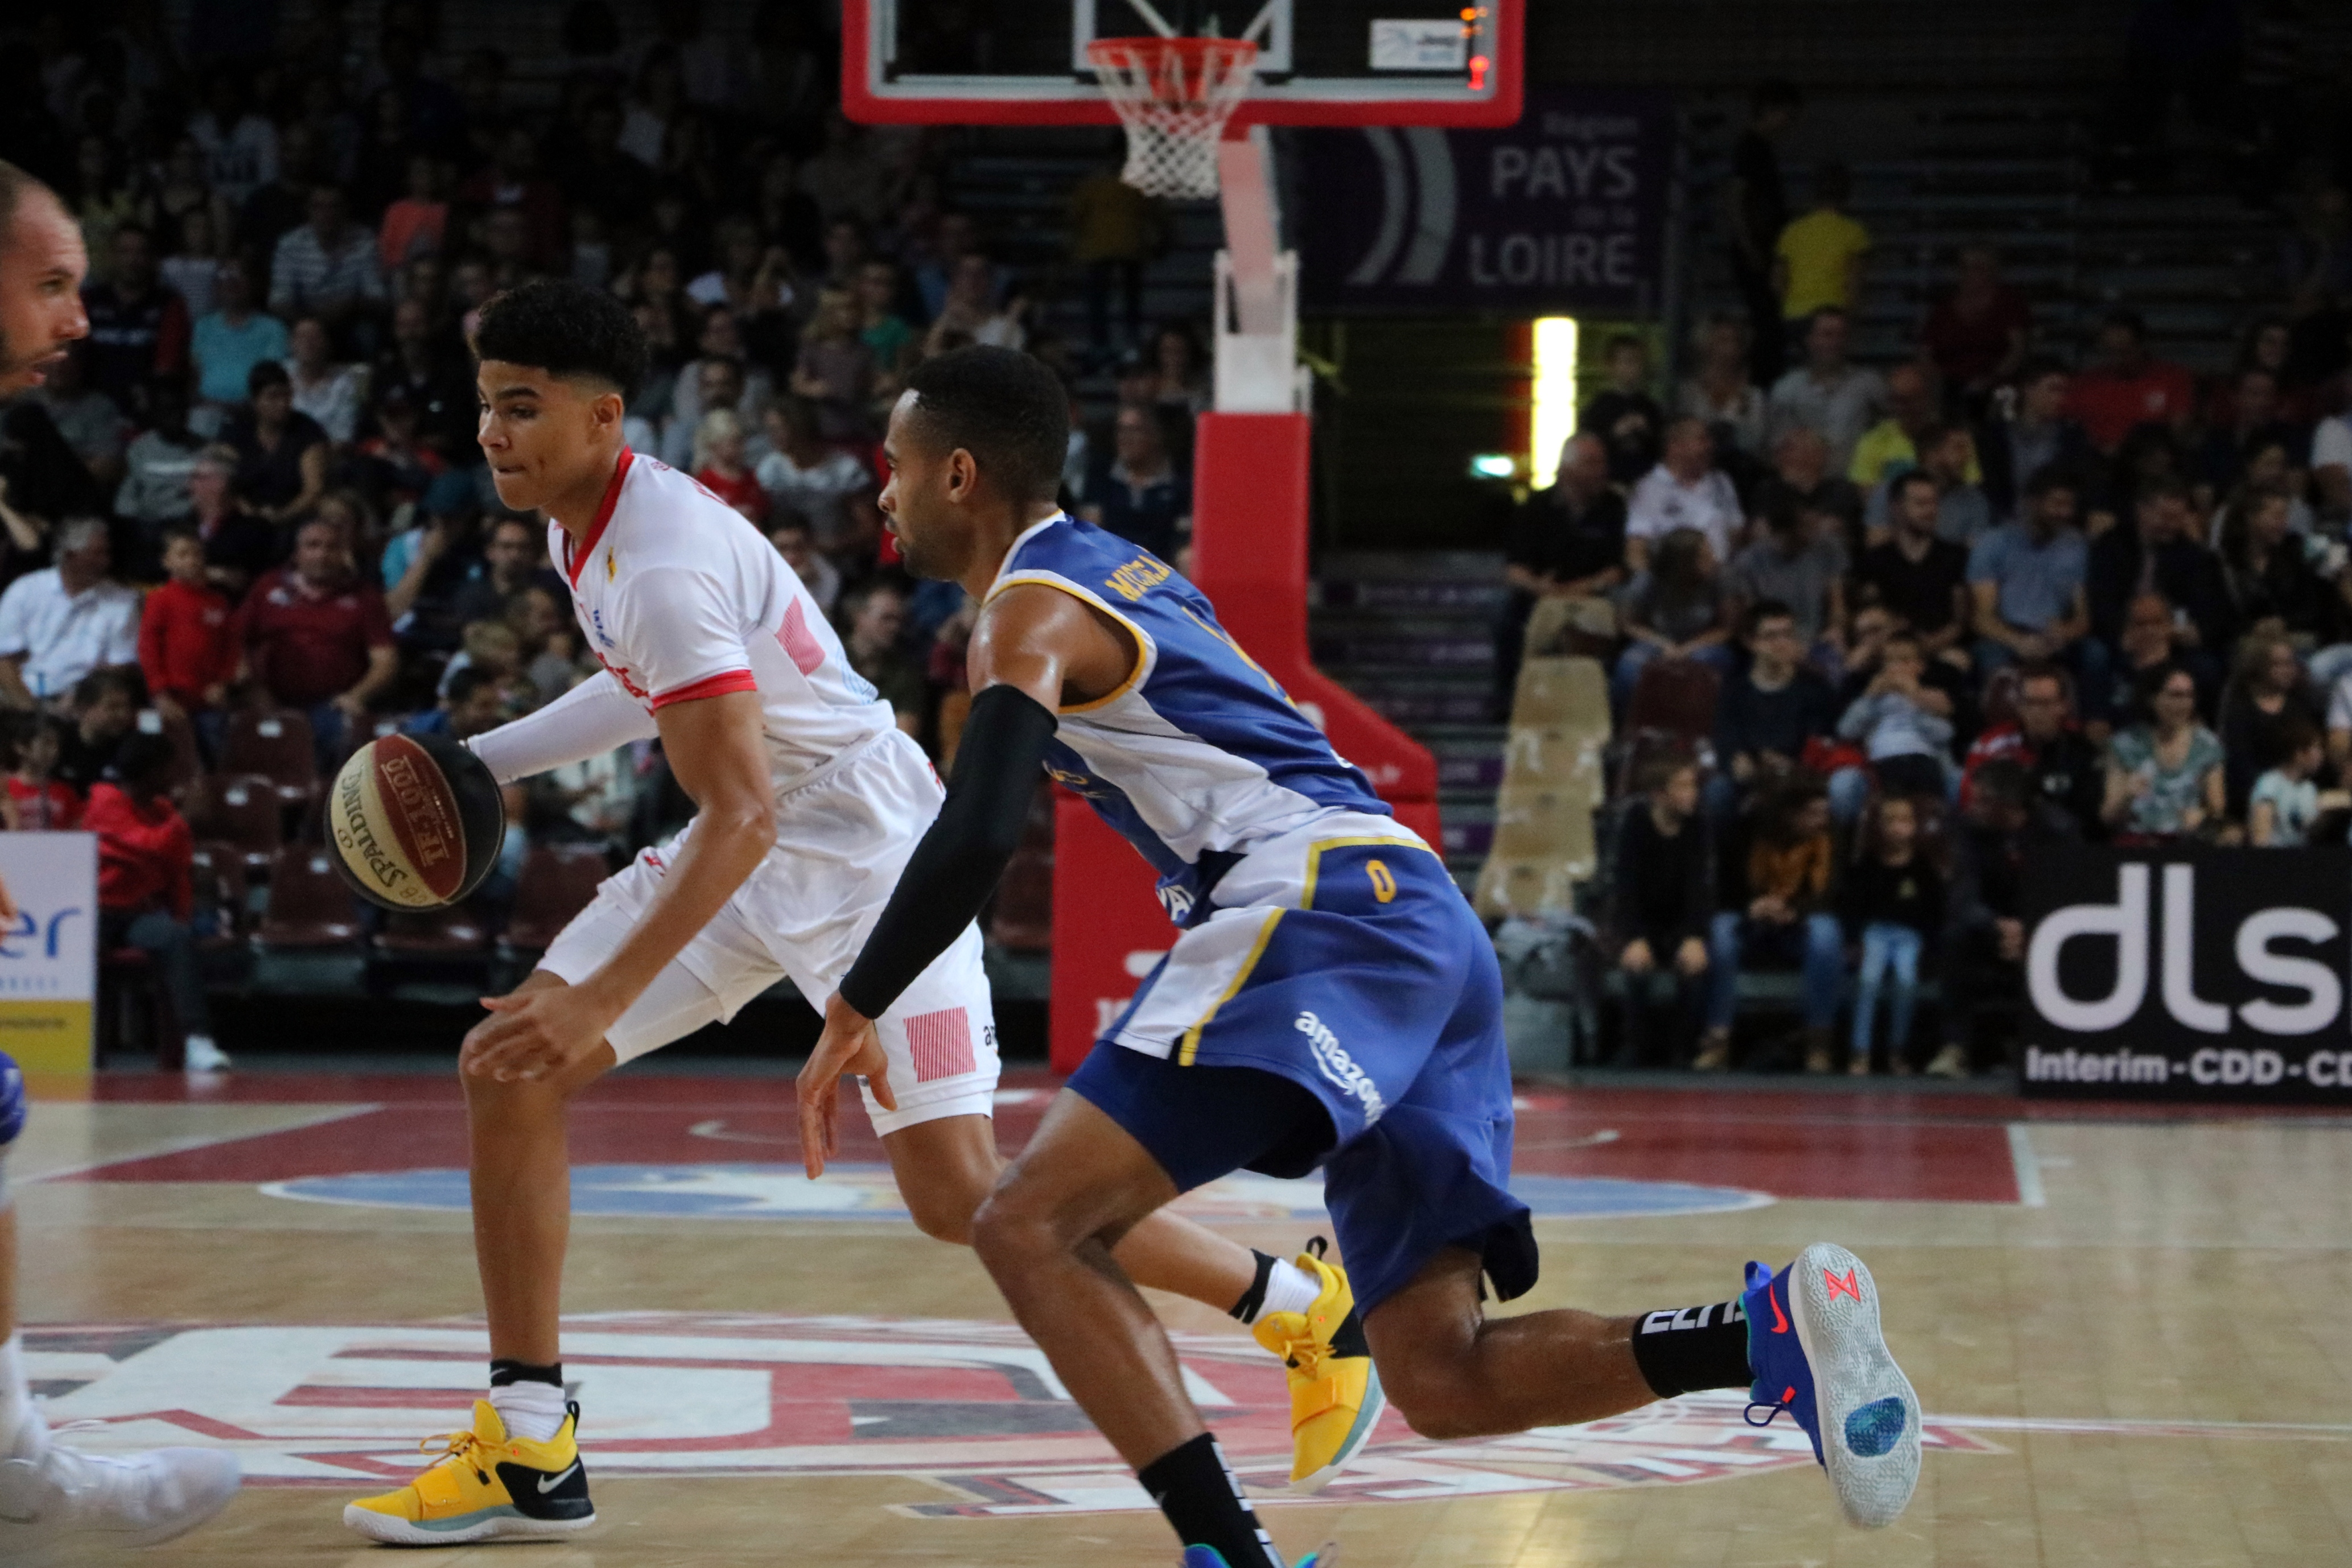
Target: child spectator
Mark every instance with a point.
(492, 648)
(1674, 610)
(472, 702)
(1783, 911)
(720, 468)
(1624, 415)
(2284, 800)
(1894, 905)
(1662, 902)
(38, 800)
(146, 889)
(1896, 722)
(185, 648)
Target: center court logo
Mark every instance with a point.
(1334, 1063)
(970, 1413)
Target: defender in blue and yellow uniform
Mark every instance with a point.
(1331, 1002)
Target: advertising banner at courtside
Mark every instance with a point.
(48, 958)
(2188, 975)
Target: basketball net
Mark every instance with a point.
(1174, 96)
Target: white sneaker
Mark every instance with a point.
(64, 1496)
(1952, 1061)
(203, 1056)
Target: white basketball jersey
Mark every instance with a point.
(680, 598)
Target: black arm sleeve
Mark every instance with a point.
(956, 867)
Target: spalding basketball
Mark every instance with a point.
(415, 821)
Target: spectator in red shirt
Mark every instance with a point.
(719, 466)
(2128, 388)
(186, 647)
(37, 800)
(317, 638)
(146, 885)
(1977, 333)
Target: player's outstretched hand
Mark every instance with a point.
(848, 1045)
(534, 1033)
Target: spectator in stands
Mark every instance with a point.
(1721, 394)
(795, 542)
(972, 310)
(511, 183)
(1800, 468)
(416, 224)
(874, 640)
(1114, 230)
(2026, 579)
(2127, 387)
(471, 700)
(1567, 541)
(232, 339)
(1893, 900)
(2284, 801)
(1828, 394)
(146, 886)
(2268, 574)
(1662, 904)
(1754, 211)
(92, 425)
(2001, 830)
(1624, 414)
(186, 649)
(1180, 371)
(513, 559)
(239, 547)
(59, 623)
(1142, 497)
(38, 800)
(2331, 467)
(2160, 550)
(104, 710)
(2165, 771)
(1686, 490)
(720, 467)
(317, 639)
(1672, 608)
(2027, 432)
(138, 328)
(1920, 578)
(191, 270)
(1976, 335)
(327, 266)
(155, 469)
(2253, 419)
(1798, 563)
(329, 394)
(1783, 883)
(2266, 698)
(804, 473)
(239, 145)
(1947, 457)
(1903, 726)
(1892, 444)
(1768, 713)
(2063, 769)
(1818, 260)
(281, 452)
(885, 332)
(834, 369)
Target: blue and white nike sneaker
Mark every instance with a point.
(1210, 1557)
(11, 1101)
(1816, 1350)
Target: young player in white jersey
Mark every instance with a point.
(54, 1496)
(810, 800)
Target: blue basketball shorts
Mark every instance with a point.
(1358, 976)
(11, 1101)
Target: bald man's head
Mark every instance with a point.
(42, 264)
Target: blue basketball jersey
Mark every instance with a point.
(1199, 753)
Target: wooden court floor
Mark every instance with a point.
(2127, 1332)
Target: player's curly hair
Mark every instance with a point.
(1007, 408)
(565, 328)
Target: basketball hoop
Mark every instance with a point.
(1174, 96)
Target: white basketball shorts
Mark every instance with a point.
(842, 839)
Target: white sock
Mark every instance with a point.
(23, 1434)
(1290, 1289)
(532, 1410)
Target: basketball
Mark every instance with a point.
(415, 821)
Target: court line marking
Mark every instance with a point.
(2030, 1191)
(193, 1142)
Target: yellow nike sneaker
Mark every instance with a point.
(485, 1486)
(1335, 1390)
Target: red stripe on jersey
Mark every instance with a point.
(717, 686)
(574, 558)
(800, 643)
(940, 1043)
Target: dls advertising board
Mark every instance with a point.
(2189, 975)
(48, 953)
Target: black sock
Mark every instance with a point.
(1245, 1310)
(1205, 1503)
(505, 1372)
(1683, 1349)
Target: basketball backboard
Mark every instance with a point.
(1320, 62)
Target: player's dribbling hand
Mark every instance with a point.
(848, 1045)
(533, 1034)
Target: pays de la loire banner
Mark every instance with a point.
(1565, 211)
(2189, 975)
